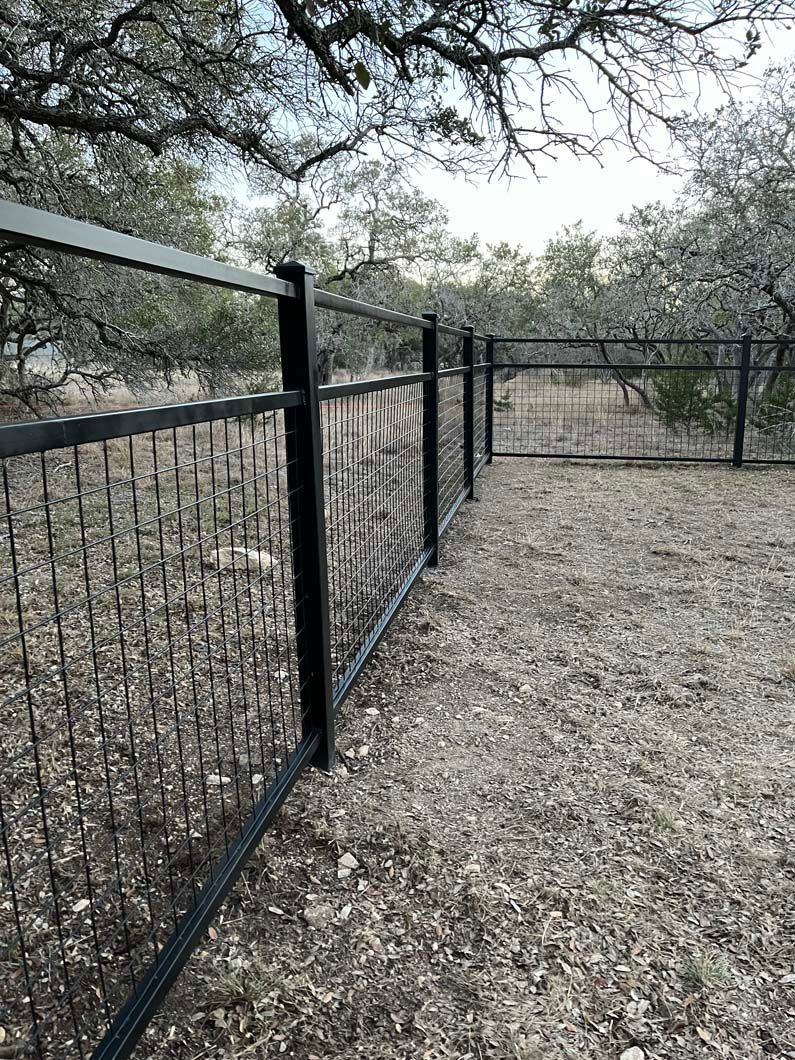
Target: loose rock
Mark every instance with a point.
(319, 915)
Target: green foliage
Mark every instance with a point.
(691, 400)
(776, 409)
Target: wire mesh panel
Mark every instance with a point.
(452, 472)
(150, 700)
(770, 412)
(630, 411)
(479, 400)
(372, 441)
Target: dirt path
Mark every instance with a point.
(568, 789)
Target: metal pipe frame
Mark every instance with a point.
(605, 366)
(36, 436)
(56, 232)
(562, 341)
(27, 225)
(370, 386)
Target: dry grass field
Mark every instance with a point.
(567, 787)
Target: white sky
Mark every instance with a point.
(529, 211)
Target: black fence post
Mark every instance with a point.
(742, 401)
(304, 444)
(469, 411)
(490, 398)
(430, 435)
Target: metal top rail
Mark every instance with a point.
(606, 366)
(35, 436)
(56, 232)
(89, 241)
(338, 303)
(371, 386)
(602, 366)
(623, 342)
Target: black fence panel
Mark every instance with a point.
(373, 466)
(186, 594)
(480, 397)
(452, 466)
(150, 705)
(770, 410)
(657, 413)
(727, 400)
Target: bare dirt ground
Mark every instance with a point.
(566, 799)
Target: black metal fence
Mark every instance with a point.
(673, 399)
(187, 595)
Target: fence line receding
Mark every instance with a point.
(188, 593)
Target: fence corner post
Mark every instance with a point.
(430, 436)
(298, 343)
(742, 402)
(469, 410)
(490, 398)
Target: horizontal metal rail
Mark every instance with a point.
(447, 329)
(370, 386)
(622, 342)
(36, 436)
(56, 232)
(661, 459)
(27, 225)
(340, 304)
(460, 370)
(624, 367)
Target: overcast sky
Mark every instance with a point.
(529, 211)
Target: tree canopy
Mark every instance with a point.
(285, 86)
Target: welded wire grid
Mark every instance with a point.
(479, 402)
(373, 469)
(452, 472)
(770, 414)
(674, 409)
(149, 699)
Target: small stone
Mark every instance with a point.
(215, 780)
(372, 711)
(223, 559)
(472, 869)
(363, 751)
(318, 915)
(633, 1053)
(347, 861)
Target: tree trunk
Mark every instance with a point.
(623, 382)
(325, 365)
